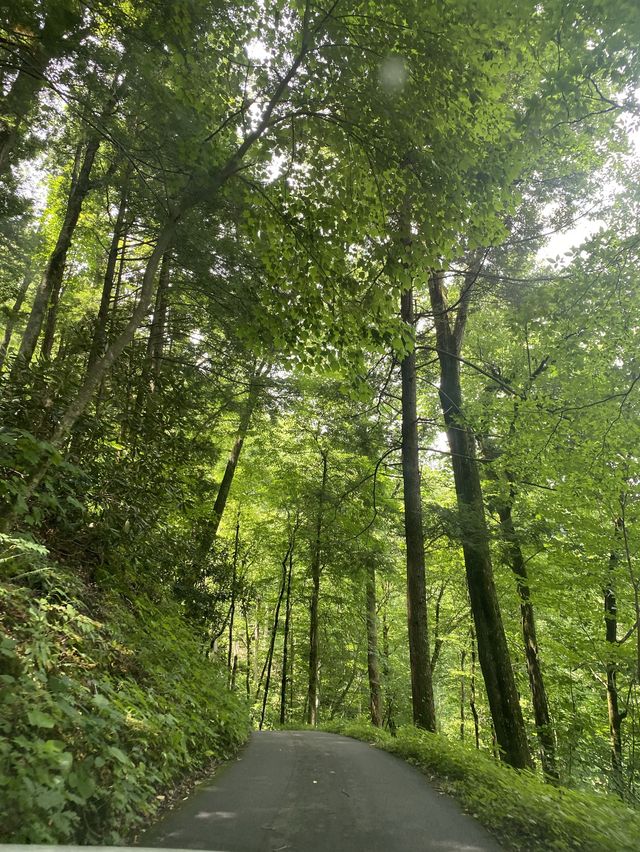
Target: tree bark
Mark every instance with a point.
(119, 233)
(234, 582)
(314, 636)
(152, 360)
(463, 697)
(48, 292)
(616, 717)
(419, 656)
(472, 690)
(493, 651)
(373, 663)
(542, 716)
(390, 721)
(247, 638)
(517, 563)
(287, 628)
(13, 316)
(94, 375)
(211, 529)
(159, 324)
(274, 632)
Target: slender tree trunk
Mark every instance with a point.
(373, 667)
(94, 375)
(118, 286)
(292, 655)
(437, 638)
(247, 636)
(211, 529)
(339, 701)
(152, 361)
(390, 721)
(256, 648)
(285, 642)
(472, 691)
(13, 316)
(234, 579)
(51, 321)
(544, 726)
(463, 697)
(159, 324)
(97, 371)
(493, 651)
(274, 632)
(314, 635)
(119, 234)
(48, 292)
(616, 717)
(419, 657)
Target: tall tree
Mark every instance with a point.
(493, 651)
(421, 686)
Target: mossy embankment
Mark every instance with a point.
(106, 703)
(523, 812)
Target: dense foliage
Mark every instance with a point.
(101, 712)
(319, 384)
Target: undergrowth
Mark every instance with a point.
(105, 703)
(523, 812)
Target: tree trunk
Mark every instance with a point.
(463, 697)
(518, 565)
(375, 697)
(152, 360)
(119, 233)
(247, 637)
(314, 636)
(419, 657)
(544, 726)
(285, 642)
(274, 632)
(94, 375)
(616, 717)
(159, 324)
(389, 715)
(13, 316)
(292, 656)
(493, 651)
(234, 578)
(48, 292)
(211, 530)
(472, 691)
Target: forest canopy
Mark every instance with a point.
(319, 345)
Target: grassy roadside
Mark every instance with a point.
(521, 811)
(107, 705)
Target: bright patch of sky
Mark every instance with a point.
(257, 50)
(560, 244)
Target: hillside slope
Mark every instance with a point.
(105, 704)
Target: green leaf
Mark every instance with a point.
(40, 719)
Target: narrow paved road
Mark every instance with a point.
(306, 791)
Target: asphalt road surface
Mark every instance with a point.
(307, 791)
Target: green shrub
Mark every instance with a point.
(103, 705)
(522, 811)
